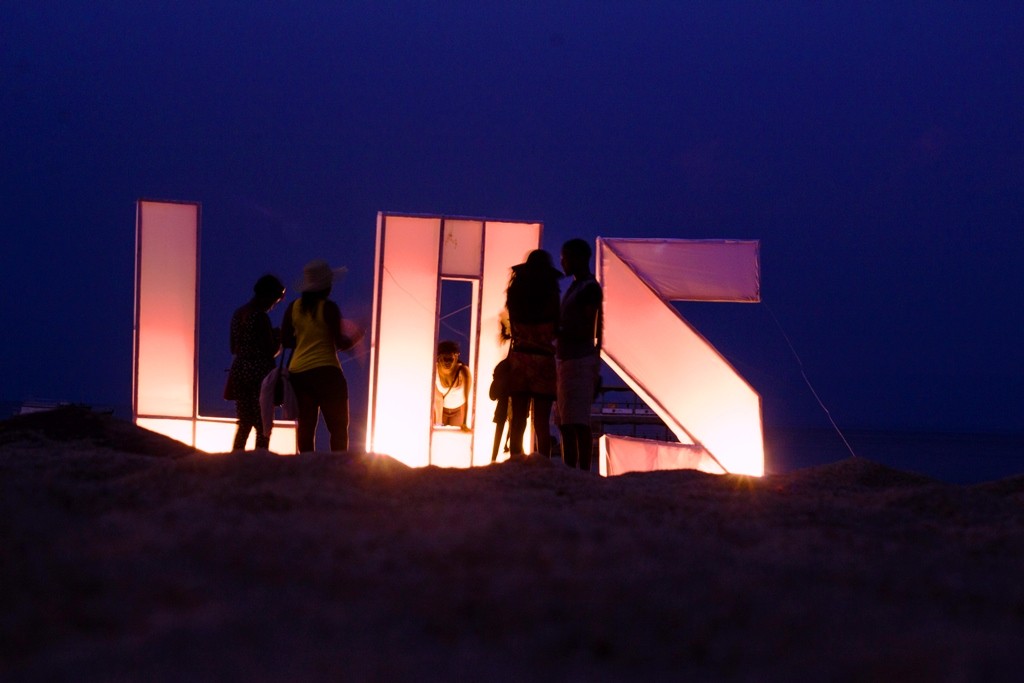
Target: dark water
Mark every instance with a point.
(953, 458)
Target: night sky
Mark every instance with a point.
(875, 149)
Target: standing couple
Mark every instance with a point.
(555, 352)
(313, 327)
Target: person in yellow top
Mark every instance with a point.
(312, 326)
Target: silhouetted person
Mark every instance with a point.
(452, 384)
(579, 353)
(532, 303)
(312, 326)
(254, 344)
(499, 392)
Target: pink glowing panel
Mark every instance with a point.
(505, 245)
(217, 435)
(690, 386)
(182, 430)
(462, 248)
(406, 286)
(166, 260)
(450, 447)
(621, 454)
(414, 254)
(695, 270)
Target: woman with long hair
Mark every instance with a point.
(254, 344)
(532, 300)
(312, 326)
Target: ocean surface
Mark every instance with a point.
(949, 457)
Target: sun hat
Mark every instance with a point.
(317, 275)
(538, 261)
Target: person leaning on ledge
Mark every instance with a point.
(452, 384)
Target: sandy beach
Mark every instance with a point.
(127, 556)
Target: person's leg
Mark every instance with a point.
(241, 436)
(247, 410)
(308, 409)
(577, 444)
(500, 418)
(570, 454)
(541, 424)
(334, 405)
(584, 446)
(519, 410)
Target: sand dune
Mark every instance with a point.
(126, 556)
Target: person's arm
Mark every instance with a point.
(268, 339)
(467, 378)
(595, 311)
(332, 318)
(287, 329)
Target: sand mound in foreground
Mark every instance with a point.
(78, 423)
(121, 565)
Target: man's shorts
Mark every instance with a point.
(577, 379)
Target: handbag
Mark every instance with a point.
(276, 390)
(499, 382)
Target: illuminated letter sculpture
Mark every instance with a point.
(166, 387)
(708, 406)
(414, 254)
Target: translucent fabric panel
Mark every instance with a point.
(282, 438)
(450, 447)
(621, 454)
(217, 435)
(406, 286)
(695, 270)
(461, 254)
(505, 245)
(673, 369)
(167, 236)
(182, 430)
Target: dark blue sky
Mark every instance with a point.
(876, 150)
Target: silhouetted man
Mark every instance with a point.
(578, 353)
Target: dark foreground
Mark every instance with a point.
(125, 556)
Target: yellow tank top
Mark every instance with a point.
(314, 343)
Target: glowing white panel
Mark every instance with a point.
(414, 253)
(695, 270)
(621, 454)
(177, 429)
(282, 438)
(673, 369)
(462, 249)
(167, 237)
(505, 245)
(217, 435)
(406, 286)
(166, 294)
(450, 446)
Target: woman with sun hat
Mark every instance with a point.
(312, 326)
